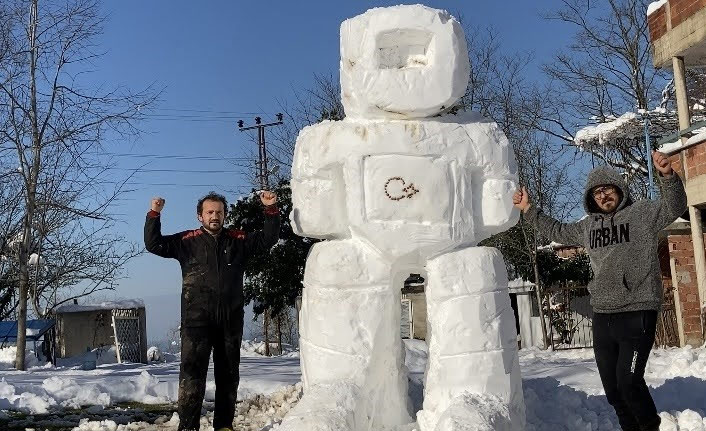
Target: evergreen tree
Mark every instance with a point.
(273, 279)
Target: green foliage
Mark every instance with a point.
(513, 244)
(273, 279)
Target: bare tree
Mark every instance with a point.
(57, 127)
(603, 73)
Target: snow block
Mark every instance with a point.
(407, 61)
(408, 187)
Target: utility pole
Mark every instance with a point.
(263, 174)
(263, 177)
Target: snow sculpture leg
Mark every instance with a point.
(350, 345)
(473, 377)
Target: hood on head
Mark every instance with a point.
(605, 175)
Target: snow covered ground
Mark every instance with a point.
(562, 391)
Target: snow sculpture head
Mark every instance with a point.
(403, 62)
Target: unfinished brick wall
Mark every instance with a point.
(657, 23)
(681, 249)
(681, 10)
(696, 160)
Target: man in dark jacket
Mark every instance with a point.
(626, 291)
(212, 260)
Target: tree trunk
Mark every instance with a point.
(31, 184)
(279, 332)
(267, 338)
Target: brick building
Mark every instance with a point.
(678, 36)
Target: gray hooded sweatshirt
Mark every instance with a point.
(622, 246)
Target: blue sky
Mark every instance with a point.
(236, 59)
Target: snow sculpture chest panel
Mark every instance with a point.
(415, 189)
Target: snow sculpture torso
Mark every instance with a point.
(398, 189)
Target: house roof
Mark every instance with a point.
(108, 305)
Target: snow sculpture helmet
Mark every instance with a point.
(408, 63)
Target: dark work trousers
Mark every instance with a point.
(622, 344)
(196, 345)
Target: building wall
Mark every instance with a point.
(87, 330)
(681, 249)
(681, 10)
(77, 332)
(419, 315)
(530, 326)
(677, 29)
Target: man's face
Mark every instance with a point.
(607, 198)
(212, 216)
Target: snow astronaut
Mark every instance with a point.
(401, 186)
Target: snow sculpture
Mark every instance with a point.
(396, 189)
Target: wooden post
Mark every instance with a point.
(697, 234)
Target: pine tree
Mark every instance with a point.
(273, 279)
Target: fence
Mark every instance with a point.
(570, 319)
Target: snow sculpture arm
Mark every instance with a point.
(318, 204)
(494, 187)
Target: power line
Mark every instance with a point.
(178, 157)
(189, 171)
(211, 111)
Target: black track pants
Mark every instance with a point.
(622, 344)
(196, 345)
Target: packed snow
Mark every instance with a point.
(562, 391)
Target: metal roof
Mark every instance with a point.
(35, 329)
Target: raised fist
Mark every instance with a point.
(521, 199)
(157, 204)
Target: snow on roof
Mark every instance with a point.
(671, 147)
(551, 246)
(654, 6)
(519, 282)
(602, 131)
(108, 305)
(631, 126)
(697, 138)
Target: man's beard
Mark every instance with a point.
(213, 227)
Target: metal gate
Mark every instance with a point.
(667, 326)
(406, 322)
(570, 317)
(126, 329)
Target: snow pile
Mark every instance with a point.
(100, 355)
(23, 401)
(257, 348)
(7, 358)
(154, 354)
(161, 424)
(263, 411)
(64, 392)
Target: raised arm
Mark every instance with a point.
(672, 202)
(259, 241)
(155, 242)
(565, 233)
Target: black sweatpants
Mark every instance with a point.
(622, 344)
(196, 345)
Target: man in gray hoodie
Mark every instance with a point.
(626, 291)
